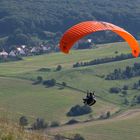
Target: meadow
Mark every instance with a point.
(18, 95)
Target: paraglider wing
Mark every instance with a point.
(78, 31)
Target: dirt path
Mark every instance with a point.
(125, 115)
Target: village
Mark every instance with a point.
(23, 50)
(20, 51)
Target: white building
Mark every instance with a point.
(21, 51)
(12, 53)
(3, 54)
(34, 50)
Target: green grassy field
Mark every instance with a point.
(20, 97)
(51, 60)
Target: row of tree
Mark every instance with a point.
(49, 82)
(75, 137)
(41, 124)
(58, 68)
(103, 60)
(124, 89)
(135, 100)
(127, 73)
(38, 124)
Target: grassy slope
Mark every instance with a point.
(11, 131)
(21, 96)
(51, 60)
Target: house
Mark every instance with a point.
(12, 54)
(34, 50)
(23, 46)
(46, 49)
(3, 54)
(20, 51)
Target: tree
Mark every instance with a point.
(64, 84)
(52, 82)
(134, 101)
(72, 121)
(108, 114)
(124, 92)
(18, 39)
(40, 124)
(59, 67)
(125, 87)
(135, 86)
(79, 110)
(59, 137)
(78, 137)
(128, 72)
(116, 52)
(49, 83)
(76, 65)
(139, 82)
(126, 102)
(115, 90)
(23, 121)
(138, 99)
(39, 79)
(54, 124)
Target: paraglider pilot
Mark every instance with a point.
(90, 99)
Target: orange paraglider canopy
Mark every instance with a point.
(78, 31)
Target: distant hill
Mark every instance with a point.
(33, 18)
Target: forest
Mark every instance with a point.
(31, 22)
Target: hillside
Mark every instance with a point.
(17, 78)
(29, 21)
(20, 97)
(12, 131)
